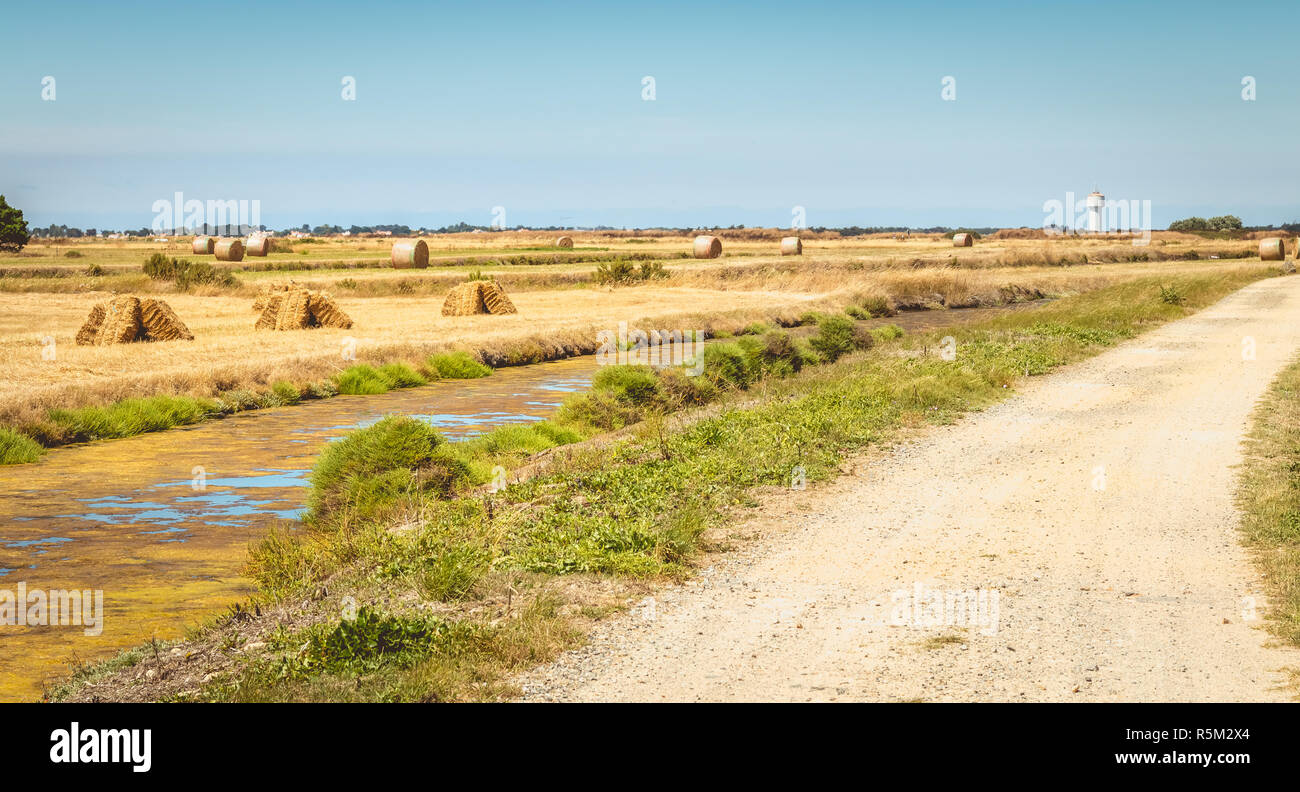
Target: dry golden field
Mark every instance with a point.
(45, 296)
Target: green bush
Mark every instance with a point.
(455, 365)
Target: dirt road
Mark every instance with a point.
(1089, 519)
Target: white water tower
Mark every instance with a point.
(1096, 202)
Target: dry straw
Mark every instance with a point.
(963, 240)
(791, 246)
(294, 311)
(564, 242)
(257, 245)
(123, 320)
(1272, 249)
(411, 254)
(707, 247)
(270, 311)
(464, 300)
(299, 309)
(86, 335)
(326, 312)
(477, 297)
(230, 250)
(203, 245)
(158, 322)
(269, 290)
(495, 299)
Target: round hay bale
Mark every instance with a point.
(121, 322)
(86, 335)
(203, 245)
(158, 322)
(257, 246)
(411, 254)
(791, 246)
(1272, 249)
(465, 300)
(229, 250)
(326, 312)
(270, 312)
(707, 247)
(495, 299)
(564, 242)
(294, 311)
(963, 240)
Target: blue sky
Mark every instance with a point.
(759, 107)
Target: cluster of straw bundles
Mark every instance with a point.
(708, 247)
(125, 319)
(229, 250)
(1272, 249)
(477, 297)
(203, 245)
(410, 254)
(298, 309)
(963, 240)
(257, 246)
(564, 241)
(791, 246)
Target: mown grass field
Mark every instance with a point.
(411, 581)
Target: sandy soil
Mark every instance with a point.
(1094, 510)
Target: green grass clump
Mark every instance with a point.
(837, 336)
(452, 572)
(284, 393)
(365, 380)
(400, 375)
(360, 380)
(455, 365)
(17, 448)
(131, 417)
(887, 332)
(372, 469)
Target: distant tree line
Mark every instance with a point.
(1220, 223)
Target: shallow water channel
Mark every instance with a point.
(162, 522)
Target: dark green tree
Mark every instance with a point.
(13, 228)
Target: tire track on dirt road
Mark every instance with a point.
(1094, 509)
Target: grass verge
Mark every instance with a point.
(1269, 498)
